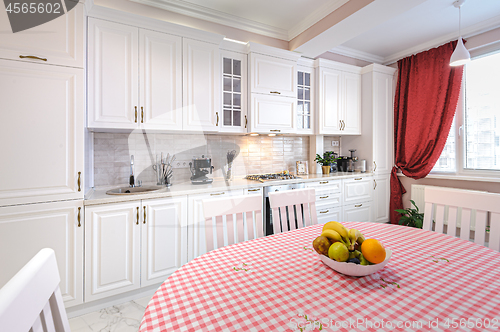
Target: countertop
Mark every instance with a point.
(99, 196)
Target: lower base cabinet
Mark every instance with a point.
(132, 245)
(26, 229)
(381, 198)
(361, 212)
(327, 214)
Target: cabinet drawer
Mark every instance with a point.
(329, 214)
(358, 190)
(333, 186)
(328, 199)
(361, 212)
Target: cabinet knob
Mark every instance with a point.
(32, 57)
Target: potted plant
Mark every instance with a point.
(411, 217)
(326, 161)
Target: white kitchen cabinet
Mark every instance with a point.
(164, 234)
(112, 249)
(381, 198)
(26, 229)
(272, 114)
(42, 137)
(338, 98)
(196, 221)
(305, 97)
(201, 86)
(358, 189)
(361, 212)
(57, 42)
(132, 245)
(134, 77)
(327, 214)
(234, 118)
(271, 75)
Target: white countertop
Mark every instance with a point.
(99, 196)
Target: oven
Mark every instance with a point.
(268, 222)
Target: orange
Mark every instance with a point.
(373, 251)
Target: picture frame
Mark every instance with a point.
(301, 168)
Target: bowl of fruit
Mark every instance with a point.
(348, 252)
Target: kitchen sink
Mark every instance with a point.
(133, 190)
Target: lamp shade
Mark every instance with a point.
(461, 55)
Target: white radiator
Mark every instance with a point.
(418, 196)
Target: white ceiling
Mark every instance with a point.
(383, 31)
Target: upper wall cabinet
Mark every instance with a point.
(58, 42)
(201, 86)
(339, 98)
(134, 78)
(234, 92)
(273, 76)
(305, 97)
(42, 136)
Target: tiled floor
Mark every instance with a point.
(125, 317)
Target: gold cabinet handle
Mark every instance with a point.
(246, 121)
(253, 189)
(374, 166)
(144, 221)
(217, 194)
(142, 114)
(32, 57)
(275, 92)
(78, 217)
(340, 124)
(323, 182)
(323, 197)
(79, 181)
(358, 205)
(324, 211)
(275, 130)
(135, 107)
(137, 223)
(374, 184)
(217, 114)
(343, 124)
(357, 179)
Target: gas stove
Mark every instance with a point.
(272, 176)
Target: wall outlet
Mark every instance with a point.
(180, 164)
(335, 143)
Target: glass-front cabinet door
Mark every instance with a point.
(234, 92)
(305, 100)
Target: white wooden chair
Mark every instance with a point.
(248, 212)
(463, 209)
(293, 209)
(32, 300)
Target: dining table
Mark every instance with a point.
(432, 282)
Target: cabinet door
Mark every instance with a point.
(42, 133)
(273, 76)
(112, 249)
(196, 221)
(234, 92)
(112, 75)
(351, 110)
(326, 214)
(164, 236)
(382, 123)
(361, 212)
(26, 229)
(329, 99)
(59, 41)
(381, 198)
(305, 100)
(160, 62)
(201, 86)
(272, 114)
(357, 190)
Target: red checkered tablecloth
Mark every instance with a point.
(433, 282)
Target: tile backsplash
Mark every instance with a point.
(259, 154)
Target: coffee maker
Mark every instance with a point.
(200, 167)
(347, 164)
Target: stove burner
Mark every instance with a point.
(272, 176)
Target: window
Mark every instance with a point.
(473, 142)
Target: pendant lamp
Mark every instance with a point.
(461, 55)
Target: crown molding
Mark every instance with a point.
(470, 31)
(315, 17)
(211, 15)
(350, 52)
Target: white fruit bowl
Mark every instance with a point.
(356, 270)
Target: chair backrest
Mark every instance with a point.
(463, 209)
(32, 300)
(293, 209)
(219, 214)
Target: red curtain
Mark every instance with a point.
(424, 106)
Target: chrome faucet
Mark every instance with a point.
(132, 178)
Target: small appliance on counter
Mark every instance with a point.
(200, 168)
(347, 164)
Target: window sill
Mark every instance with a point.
(459, 177)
